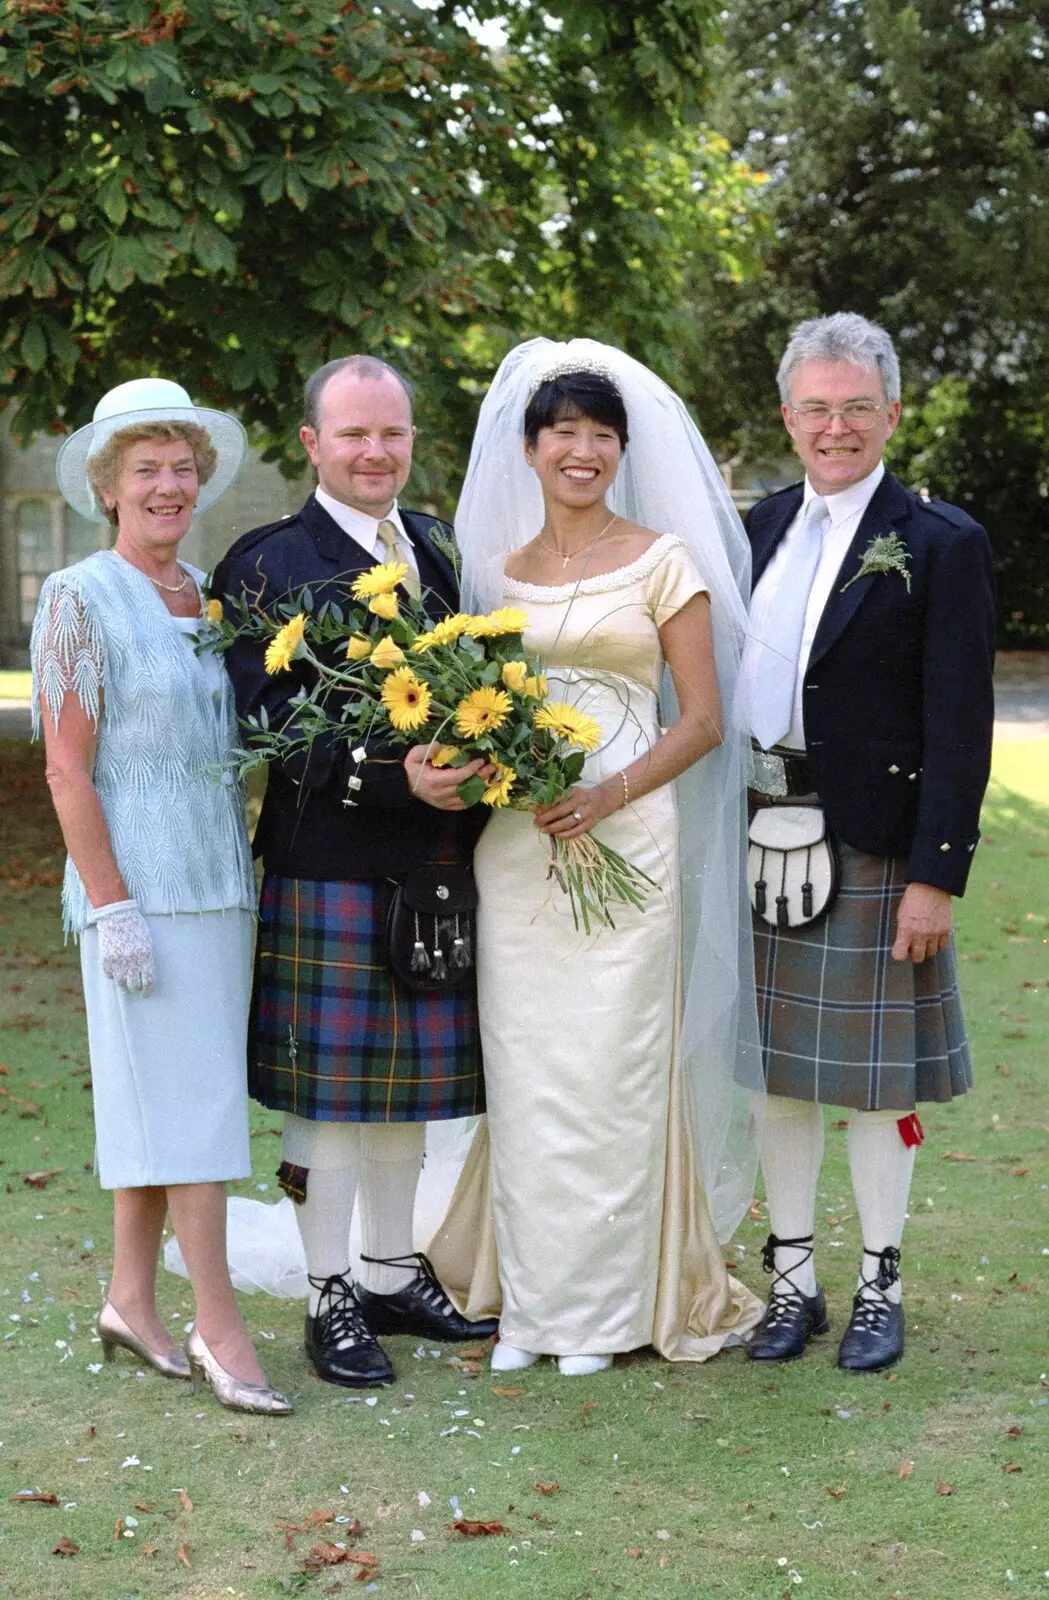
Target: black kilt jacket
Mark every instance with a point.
(898, 700)
(306, 830)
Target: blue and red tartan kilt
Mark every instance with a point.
(334, 1036)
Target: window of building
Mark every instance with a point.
(48, 535)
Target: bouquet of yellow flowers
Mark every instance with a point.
(464, 686)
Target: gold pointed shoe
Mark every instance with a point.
(235, 1393)
(116, 1335)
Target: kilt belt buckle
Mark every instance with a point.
(777, 774)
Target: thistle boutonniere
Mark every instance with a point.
(885, 553)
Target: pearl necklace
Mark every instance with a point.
(171, 588)
(565, 559)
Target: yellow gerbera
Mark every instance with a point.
(499, 785)
(379, 580)
(407, 701)
(566, 723)
(213, 612)
(386, 655)
(442, 755)
(515, 675)
(285, 645)
(444, 632)
(384, 606)
(482, 711)
(536, 687)
(507, 619)
(358, 647)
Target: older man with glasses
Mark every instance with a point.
(868, 680)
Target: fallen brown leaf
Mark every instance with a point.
(471, 1529)
(41, 1499)
(1021, 1172)
(1004, 1068)
(634, 1551)
(589, 1405)
(186, 1502)
(945, 1488)
(956, 1155)
(141, 1506)
(330, 1555)
(547, 1488)
(905, 1469)
(150, 1550)
(1012, 1466)
(507, 1394)
(1015, 1431)
(181, 1555)
(474, 1352)
(664, 1561)
(66, 1547)
(40, 1180)
(836, 1494)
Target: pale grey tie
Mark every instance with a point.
(773, 699)
(394, 543)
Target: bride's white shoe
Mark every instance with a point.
(511, 1358)
(583, 1366)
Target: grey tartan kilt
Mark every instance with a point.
(844, 1024)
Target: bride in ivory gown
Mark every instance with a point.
(618, 1063)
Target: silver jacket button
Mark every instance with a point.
(894, 768)
(945, 847)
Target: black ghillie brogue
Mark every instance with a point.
(791, 1318)
(873, 1339)
(421, 1309)
(339, 1341)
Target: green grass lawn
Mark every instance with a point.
(725, 1480)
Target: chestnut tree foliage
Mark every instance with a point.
(229, 192)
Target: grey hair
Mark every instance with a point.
(362, 367)
(846, 336)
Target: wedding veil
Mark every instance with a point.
(669, 482)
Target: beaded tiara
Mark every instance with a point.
(571, 363)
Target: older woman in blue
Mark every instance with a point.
(159, 886)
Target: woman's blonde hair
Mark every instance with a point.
(103, 469)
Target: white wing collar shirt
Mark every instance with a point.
(364, 529)
(846, 509)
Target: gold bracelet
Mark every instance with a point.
(624, 780)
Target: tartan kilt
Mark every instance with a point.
(841, 1022)
(333, 1036)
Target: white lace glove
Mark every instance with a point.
(126, 946)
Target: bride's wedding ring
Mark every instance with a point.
(578, 815)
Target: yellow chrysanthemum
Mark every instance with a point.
(285, 644)
(442, 755)
(444, 632)
(499, 785)
(536, 687)
(507, 619)
(565, 722)
(213, 612)
(515, 675)
(482, 711)
(384, 606)
(386, 655)
(379, 580)
(358, 647)
(407, 701)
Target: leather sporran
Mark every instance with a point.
(793, 868)
(431, 928)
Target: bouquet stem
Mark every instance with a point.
(595, 878)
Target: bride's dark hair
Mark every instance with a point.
(576, 394)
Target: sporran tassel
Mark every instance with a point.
(458, 955)
(420, 961)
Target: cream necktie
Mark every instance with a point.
(777, 672)
(390, 538)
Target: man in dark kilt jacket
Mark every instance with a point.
(357, 1062)
(868, 675)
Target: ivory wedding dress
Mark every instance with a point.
(580, 1216)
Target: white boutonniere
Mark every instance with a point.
(885, 553)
